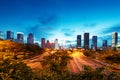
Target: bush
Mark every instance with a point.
(14, 69)
(115, 58)
(89, 53)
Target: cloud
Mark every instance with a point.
(114, 28)
(45, 26)
(40, 31)
(68, 32)
(69, 41)
(64, 30)
(48, 19)
(106, 37)
(90, 25)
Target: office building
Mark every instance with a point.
(1, 35)
(48, 44)
(78, 41)
(42, 42)
(56, 44)
(105, 44)
(94, 42)
(30, 39)
(86, 40)
(10, 35)
(114, 39)
(20, 37)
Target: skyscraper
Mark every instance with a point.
(43, 42)
(1, 35)
(105, 44)
(114, 39)
(10, 35)
(47, 45)
(94, 42)
(86, 40)
(20, 37)
(78, 41)
(56, 44)
(30, 39)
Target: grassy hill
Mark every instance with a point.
(10, 49)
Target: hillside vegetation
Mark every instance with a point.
(13, 50)
(54, 66)
(108, 55)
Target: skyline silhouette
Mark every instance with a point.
(79, 42)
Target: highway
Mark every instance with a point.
(35, 61)
(79, 60)
(75, 65)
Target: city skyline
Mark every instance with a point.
(80, 43)
(61, 19)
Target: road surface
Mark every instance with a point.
(75, 65)
(79, 60)
(35, 61)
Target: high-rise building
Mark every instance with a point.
(30, 39)
(10, 35)
(56, 44)
(78, 41)
(42, 42)
(47, 45)
(105, 44)
(114, 39)
(94, 42)
(86, 40)
(1, 35)
(20, 37)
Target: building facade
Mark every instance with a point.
(30, 39)
(42, 42)
(86, 40)
(78, 41)
(105, 44)
(20, 37)
(56, 44)
(94, 42)
(1, 35)
(10, 35)
(114, 39)
(47, 45)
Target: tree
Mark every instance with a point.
(57, 64)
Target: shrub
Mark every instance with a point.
(15, 70)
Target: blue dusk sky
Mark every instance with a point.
(61, 19)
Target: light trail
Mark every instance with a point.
(79, 65)
(79, 60)
(73, 67)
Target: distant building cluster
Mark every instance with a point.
(20, 37)
(86, 44)
(55, 45)
(50, 45)
(30, 39)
